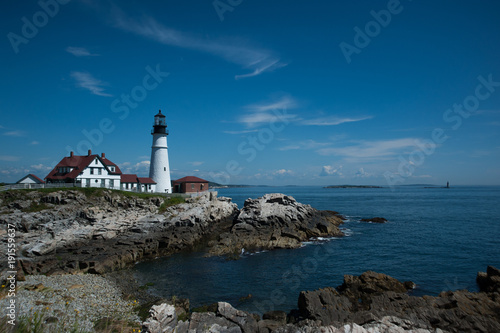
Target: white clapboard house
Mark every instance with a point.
(97, 171)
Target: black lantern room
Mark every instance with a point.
(160, 124)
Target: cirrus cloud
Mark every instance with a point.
(87, 81)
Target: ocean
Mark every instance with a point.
(436, 237)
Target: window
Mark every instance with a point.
(164, 168)
(103, 182)
(192, 186)
(96, 181)
(112, 169)
(96, 162)
(91, 171)
(88, 182)
(111, 183)
(126, 186)
(99, 171)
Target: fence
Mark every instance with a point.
(35, 186)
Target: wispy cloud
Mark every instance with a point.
(34, 142)
(80, 52)
(15, 133)
(87, 81)
(9, 158)
(140, 168)
(269, 112)
(330, 170)
(196, 163)
(41, 167)
(283, 172)
(361, 173)
(284, 102)
(372, 149)
(306, 145)
(333, 120)
(234, 50)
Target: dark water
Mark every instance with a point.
(439, 238)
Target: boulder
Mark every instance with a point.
(375, 220)
(244, 320)
(365, 299)
(275, 221)
(489, 281)
(325, 305)
(162, 319)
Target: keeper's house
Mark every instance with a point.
(96, 171)
(190, 184)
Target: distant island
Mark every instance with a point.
(352, 186)
(217, 185)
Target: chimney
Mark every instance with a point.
(71, 154)
(103, 155)
(90, 152)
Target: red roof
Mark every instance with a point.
(146, 180)
(38, 179)
(78, 163)
(128, 178)
(32, 176)
(190, 179)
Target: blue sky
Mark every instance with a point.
(256, 92)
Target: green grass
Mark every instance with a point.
(12, 195)
(46, 322)
(146, 286)
(90, 192)
(171, 201)
(35, 207)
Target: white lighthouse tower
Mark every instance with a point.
(159, 169)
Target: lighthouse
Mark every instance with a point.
(159, 169)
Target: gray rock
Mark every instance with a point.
(489, 281)
(277, 316)
(162, 319)
(365, 298)
(206, 321)
(275, 221)
(244, 320)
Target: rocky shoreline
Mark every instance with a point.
(371, 302)
(63, 234)
(106, 231)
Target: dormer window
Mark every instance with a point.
(64, 169)
(96, 161)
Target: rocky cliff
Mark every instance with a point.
(102, 230)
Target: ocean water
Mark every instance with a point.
(438, 238)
